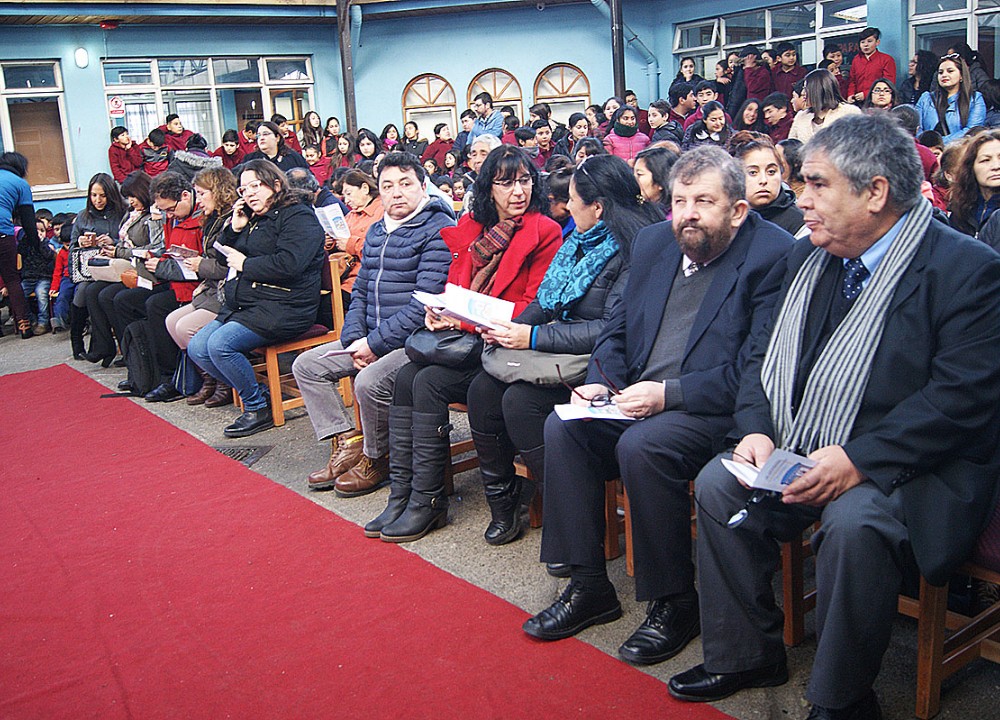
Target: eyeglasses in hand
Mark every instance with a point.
(597, 400)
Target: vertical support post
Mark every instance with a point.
(618, 47)
(347, 64)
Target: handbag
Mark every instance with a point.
(450, 348)
(533, 366)
(79, 270)
(108, 269)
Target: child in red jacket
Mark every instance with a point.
(155, 153)
(319, 165)
(230, 151)
(124, 156)
(62, 287)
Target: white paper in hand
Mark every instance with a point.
(781, 470)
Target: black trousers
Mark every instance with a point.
(656, 458)
(152, 306)
(517, 410)
(105, 328)
(431, 388)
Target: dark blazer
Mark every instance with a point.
(738, 302)
(928, 424)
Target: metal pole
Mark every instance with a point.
(347, 64)
(618, 47)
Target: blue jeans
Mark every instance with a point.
(41, 290)
(60, 308)
(218, 349)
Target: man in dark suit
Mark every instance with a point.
(674, 347)
(881, 366)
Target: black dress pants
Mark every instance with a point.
(516, 409)
(104, 330)
(656, 458)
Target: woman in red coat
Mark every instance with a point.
(502, 249)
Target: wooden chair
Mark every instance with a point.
(460, 447)
(285, 394)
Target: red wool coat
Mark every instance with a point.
(524, 262)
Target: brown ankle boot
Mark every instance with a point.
(347, 448)
(365, 477)
(208, 386)
(223, 395)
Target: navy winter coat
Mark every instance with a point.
(413, 257)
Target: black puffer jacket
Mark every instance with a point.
(577, 334)
(277, 293)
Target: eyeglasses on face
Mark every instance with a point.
(524, 181)
(250, 187)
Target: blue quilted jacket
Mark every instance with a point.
(413, 257)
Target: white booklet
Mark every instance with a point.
(331, 217)
(780, 470)
(591, 412)
(469, 307)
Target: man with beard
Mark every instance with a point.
(670, 359)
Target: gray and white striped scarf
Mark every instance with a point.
(837, 381)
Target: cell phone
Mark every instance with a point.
(241, 210)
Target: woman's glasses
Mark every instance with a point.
(597, 400)
(525, 182)
(250, 187)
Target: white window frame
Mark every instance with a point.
(679, 31)
(58, 93)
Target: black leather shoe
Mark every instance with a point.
(164, 392)
(667, 630)
(559, 570)
(250, 422)
(120, 362)
(699, 685)
(576, 609)
(95, 358)
(867, 708)
(124, 386)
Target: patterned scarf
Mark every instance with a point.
(838, 378)
(487, 252)
(568, 279)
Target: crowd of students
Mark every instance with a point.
(223, 253)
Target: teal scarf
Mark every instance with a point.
(568, 278)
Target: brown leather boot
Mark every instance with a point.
(222, 396)
(365, 477)
(347, 448)
(208, 387)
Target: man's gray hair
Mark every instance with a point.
(302, 179)
(492, 141)
(709, 158)
(862, 147)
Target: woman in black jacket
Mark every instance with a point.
(575, 298)
(275, 244)
(271, 146)
(766, 192)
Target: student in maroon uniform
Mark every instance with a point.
(756, 75)
(786, 71)
(868, 66)
(175, 135)
(230, 150)
(777, 116)
(124, 156)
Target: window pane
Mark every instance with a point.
(237, 106)
(795, 20)
(989, 3)
(293, 104)
(128, 73)
(988, 25)
(745, 28)
(287, 70)
(184, 72)
(938, 37)
(844, 12)
(195, 111)
(140, 115)
(235, 70)
(37, 130)
(932, 6)
(696, 36)
(29, 76)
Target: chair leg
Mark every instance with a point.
(930, 648)
(629, 560)
(612, 545)
(274, 387)
(793, 591)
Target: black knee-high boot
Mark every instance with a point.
(400, 468)
(502, 486)
(427, 508)
(77, 321)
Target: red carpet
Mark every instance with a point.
(145, 575)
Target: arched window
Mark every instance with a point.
(502, 87)
(565, 88)
(429, 100)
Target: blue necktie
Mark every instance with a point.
(856, 274)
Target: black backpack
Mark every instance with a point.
(142, 373)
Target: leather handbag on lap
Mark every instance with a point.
(451, 348)
(108, 269)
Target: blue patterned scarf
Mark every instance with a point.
(568, 279)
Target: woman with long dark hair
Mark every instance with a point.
(882, 96)
(271, 146)
(501, 248)
(920, 78)
(389, 137)
(583, 282)
(651, 170)
(331, 133)
(579, 128)
(824, 103)
(274, 243)
(711, 129)
(977, 71)
(952, 106)
(749, 117)
(975, 190)
(312, 130)
(368, 146)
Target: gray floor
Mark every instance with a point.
(512, 571)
